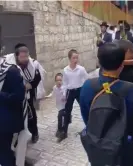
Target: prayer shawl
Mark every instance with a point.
(3, 71)
(40, 88)
(23, 137)
(29, 74)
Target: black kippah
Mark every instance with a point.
(20, 45)
(18, 48)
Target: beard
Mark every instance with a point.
(22, 64)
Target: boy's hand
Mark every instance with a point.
(50, 95)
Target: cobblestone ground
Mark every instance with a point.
(47, 152)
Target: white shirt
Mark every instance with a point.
(103, 35)
(131, 30)
(60, 99)
(74, 78)
(112, 33)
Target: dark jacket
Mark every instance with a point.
(34, 84)
(11, 99)
(107, 38)
(128, 33)
(127, 73)
(88, 94)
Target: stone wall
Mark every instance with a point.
(59, 28)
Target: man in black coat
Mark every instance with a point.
(104, 37)
(124, 31)
(12, 93)
(32, 79)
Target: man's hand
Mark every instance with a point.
(100, 40)
(28, 86)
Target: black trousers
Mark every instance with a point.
(61, 120)
(32, 122)
(127, 156)
(72, 95)
(6, 154)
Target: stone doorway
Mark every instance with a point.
(17, 28)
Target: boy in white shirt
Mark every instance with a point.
(74, 77)
(60, 104)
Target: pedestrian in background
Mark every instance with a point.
(124, 31)
(104, 36)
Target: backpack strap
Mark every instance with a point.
(124, 89)
(102, 91)
(95, 85)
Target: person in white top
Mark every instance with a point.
(74, 77)
(58, 92)
(112, 31)
(60, 105)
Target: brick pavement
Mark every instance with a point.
(49, 153)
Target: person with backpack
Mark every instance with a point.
(107, 109)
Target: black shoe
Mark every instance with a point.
(28, 164)
(61, 137)
(35, 138)
(57, 134)
(70, 120)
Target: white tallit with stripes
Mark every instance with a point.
(28, 73)
(4, 66)
(23, 137)
(3, 71)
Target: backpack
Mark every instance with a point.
(106, 125)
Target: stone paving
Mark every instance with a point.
(47, 152)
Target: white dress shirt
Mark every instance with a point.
(112, 33)
(60, 99)
(103, 34)
(74, 78)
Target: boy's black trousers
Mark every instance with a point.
(61, 119)
(72, 95)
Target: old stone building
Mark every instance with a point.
(59, 28)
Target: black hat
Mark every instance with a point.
(21, 47)
(112, 27)
(121, 21)
(125, 23)
(17, 46)
(104, 24)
